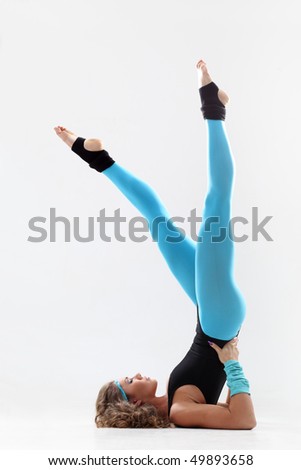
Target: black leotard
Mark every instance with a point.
(201, 367)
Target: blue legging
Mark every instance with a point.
(204, 268)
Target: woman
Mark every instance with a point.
(205, 271)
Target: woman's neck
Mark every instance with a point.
(161, 403)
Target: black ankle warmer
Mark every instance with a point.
(212, 107)
(100, 160)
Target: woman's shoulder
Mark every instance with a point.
(188, 393)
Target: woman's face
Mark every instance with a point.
(138, 387)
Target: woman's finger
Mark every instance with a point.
(234, 340)
(214, 346)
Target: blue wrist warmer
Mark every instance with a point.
(236, 380)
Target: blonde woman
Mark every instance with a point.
(205, 271)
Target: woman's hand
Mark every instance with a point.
(228, 352)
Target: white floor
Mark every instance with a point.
(35, 435)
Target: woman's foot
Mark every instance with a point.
(205, 78)
(69, 138)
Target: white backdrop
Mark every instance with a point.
(75, 315)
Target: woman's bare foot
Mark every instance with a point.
(69, 138)
(205, 78)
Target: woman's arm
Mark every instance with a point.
(239, 414)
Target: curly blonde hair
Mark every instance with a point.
(112, 411)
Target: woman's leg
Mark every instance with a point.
(221, 304)
(179, 255)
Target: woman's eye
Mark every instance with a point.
(129, 381)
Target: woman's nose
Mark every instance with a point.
(138, 376)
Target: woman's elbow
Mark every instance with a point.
(253, 424)
(249, 424)
(243, 423)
